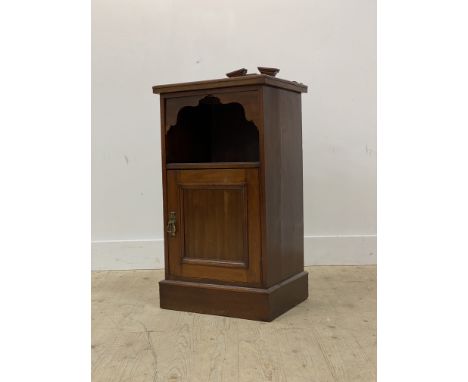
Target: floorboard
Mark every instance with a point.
(329, 337)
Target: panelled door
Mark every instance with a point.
(213, 225)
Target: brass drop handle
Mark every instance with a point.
(171, 224)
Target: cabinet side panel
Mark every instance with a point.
(164, 182)
(283, 194)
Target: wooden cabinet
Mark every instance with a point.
(233, 205)
(217, 214)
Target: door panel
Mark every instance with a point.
(217, 225)
(220, 231)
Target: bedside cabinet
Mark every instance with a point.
(233, 199)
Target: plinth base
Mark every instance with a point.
(234, 301)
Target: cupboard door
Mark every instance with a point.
(213, 225)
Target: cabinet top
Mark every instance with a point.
(249, 79)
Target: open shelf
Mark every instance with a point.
(212, 132)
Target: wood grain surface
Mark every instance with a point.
(283, 225)
(329, 337)
(225, 247)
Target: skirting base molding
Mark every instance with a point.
(318, 250)
(340, 250)
(127, 254)
(234, 301)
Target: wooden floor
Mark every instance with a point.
(329, 337)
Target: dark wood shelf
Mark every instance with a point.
(180, 166)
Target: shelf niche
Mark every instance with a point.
(212, 132)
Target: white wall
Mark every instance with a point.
(330, 45)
